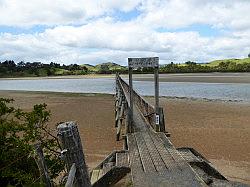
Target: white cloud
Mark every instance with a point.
(46, 12)
(106, 39)
(178, 13)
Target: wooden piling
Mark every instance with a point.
(71, 143)
(42, 165)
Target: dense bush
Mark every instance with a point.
(19, 131)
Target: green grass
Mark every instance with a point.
(59, 71)
(237, 61)
(90, 67)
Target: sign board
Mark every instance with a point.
(151, 62)
(157, 119)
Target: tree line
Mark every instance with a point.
(9, 68)
(193, 67)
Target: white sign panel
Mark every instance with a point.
(157, 119)
(143, 62)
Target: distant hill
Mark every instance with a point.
(237, 61)
(90, 67)
(110, 65)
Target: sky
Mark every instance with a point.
(97, 31)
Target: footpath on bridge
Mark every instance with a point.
(154, 160)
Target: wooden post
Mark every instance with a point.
(131, 98)
(42, 165)
(71, 176)
(162, 120)
(71, 142)
(156, 77)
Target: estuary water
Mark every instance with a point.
(220, 91)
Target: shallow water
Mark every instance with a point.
(221, 91)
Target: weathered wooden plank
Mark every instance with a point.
(135, 161)
(171, 149)
(188, 155)
(156, 157)
(186, 170)
(122, 159)
(165, 156)
(147, 162)
(112, 176)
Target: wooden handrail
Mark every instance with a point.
(145, 108)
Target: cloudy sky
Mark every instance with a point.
(96, 31)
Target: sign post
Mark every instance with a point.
(152, 62)
(131, 98)
(157, 112)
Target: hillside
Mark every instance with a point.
(90, 67)
(108, 65)
(237, 61)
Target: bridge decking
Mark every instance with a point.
(154, 160)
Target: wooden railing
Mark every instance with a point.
(147, 110)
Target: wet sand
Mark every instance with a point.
(218, 130)
(198, 77)
(186, 77)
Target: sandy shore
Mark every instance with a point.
(187, 77)
(198, 77)
(220, 131)
(88, 76)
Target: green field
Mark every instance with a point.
(237, 61)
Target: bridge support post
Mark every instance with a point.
(131, 98)
(162, 120)
(157, 109)
(71, 143)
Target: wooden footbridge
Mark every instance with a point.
(148, 158)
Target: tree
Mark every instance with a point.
(19, 131)
(104, 69)
(21, 64)
(249, 55)
(190, 63)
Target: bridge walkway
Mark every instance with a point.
(154, 160)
